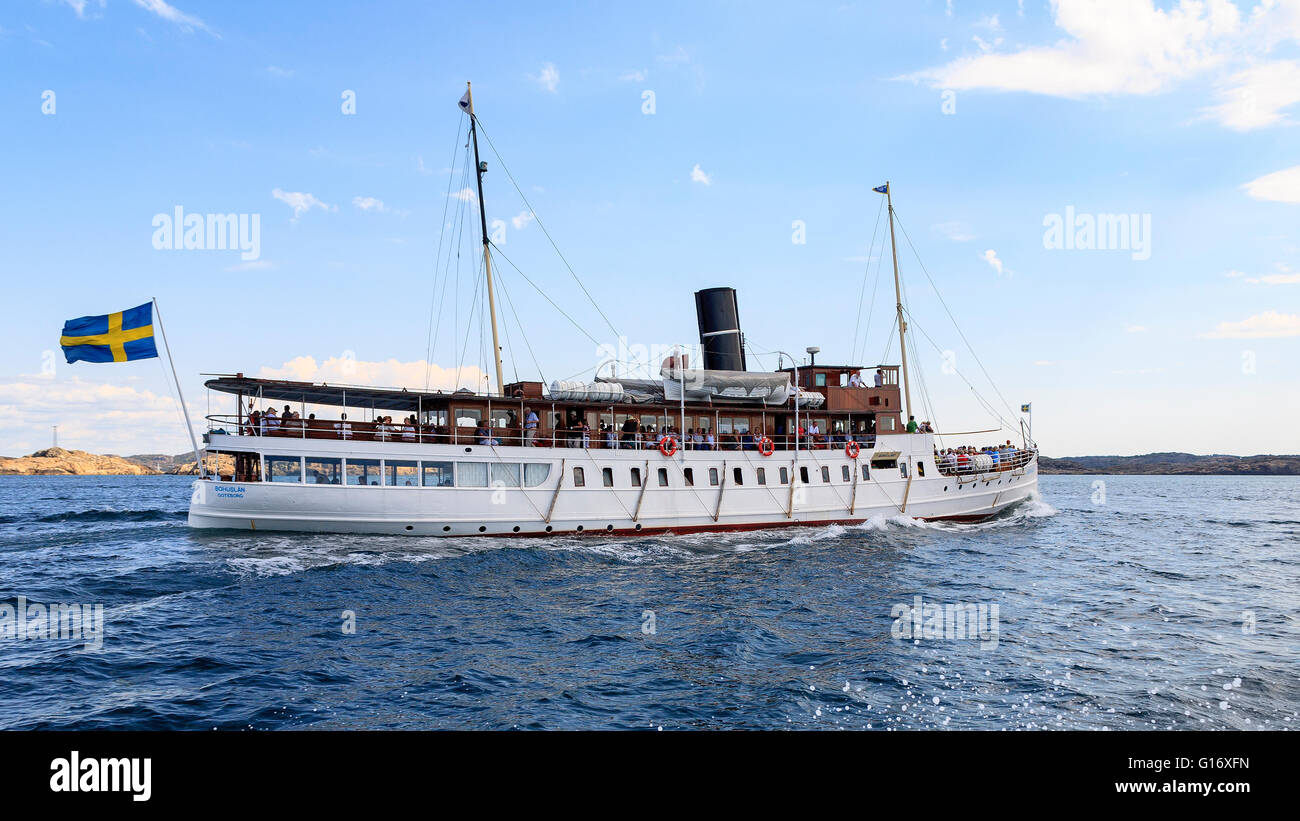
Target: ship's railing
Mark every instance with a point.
(363, 431)
(981, 462)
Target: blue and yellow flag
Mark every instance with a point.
(119, 337)
(1025, 408)
(881, 189)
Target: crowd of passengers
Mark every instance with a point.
(572, 432)
(963, 460)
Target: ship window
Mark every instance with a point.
(284, 468)
(886, 423)
(803, 474)
(920, 469)
(713, 476)
(468, 417)
(762, 476)
(607, 476)
(401, 474)
(362, 471)
(324, 471)
(505, 474)
(663, 477)
(902, 469)
(866, 474)
(579, 478)
(471, 474)
(724, 424)
(437, 474)
(785, 476)
(739, 476)
(847, 476)
(826, 473)
(535, 473)
(689, 475)
(819, 380)
(636, 477)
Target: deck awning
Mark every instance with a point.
(279, 390)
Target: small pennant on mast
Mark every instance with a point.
(881, 189)
(464, 102)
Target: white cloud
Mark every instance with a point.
(279, 72)
(1255, 97)
(300, 202)
(186, 22)
(991, 257)
(79, 6)
(956, 231)
(1285, 276)
(698, 175)
(1113, 47)
(369, 204)
(254, 265)
(389, 373)
(1268, 325)
(1135, 329)
(549, 78)
(465, 194)
(1280, 186)
(637, 76)
(522, 219)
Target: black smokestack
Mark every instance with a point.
(720, 337)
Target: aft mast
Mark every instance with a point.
(479, 168)
(898, 297)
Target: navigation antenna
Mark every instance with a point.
(479, 168)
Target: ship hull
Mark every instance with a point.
(812, 487)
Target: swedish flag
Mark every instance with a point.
(1025, 408)
(119, 337)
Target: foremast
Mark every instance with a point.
(479, 168)
(898, 299)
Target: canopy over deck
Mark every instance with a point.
(279, 390)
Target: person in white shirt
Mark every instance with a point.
(855, 381)
(530, 426)
(272, 420)
(343, 426)
(880, 377)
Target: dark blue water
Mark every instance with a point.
(1131, 611)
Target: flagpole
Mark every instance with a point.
(189, 428)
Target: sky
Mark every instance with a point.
(665, 148)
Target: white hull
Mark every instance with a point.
(557, 506)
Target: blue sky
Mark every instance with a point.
(988, 118)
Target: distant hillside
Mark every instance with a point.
(1175, 464)
(182, 463)
(60, 462)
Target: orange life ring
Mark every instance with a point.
(851, 448)
(668, 446)
(766, 446)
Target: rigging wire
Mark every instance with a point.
(538, 219)
(861, 291)
(544, 295)
(437, 257)
(953, 318)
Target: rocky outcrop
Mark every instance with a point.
(60, 462)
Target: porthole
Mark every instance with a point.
(638, 527)
(446, 528)
(410, 527)
(548, 528)
(482, 528)
(610, 528)
(516, 528)
(945, 488)
(469, 450)
(579, 528)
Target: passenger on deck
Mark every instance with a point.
(855, 381)
(709, 442)
(484, 435)
(586, 435)
(530, 427)
(611, 438)
(256, 427)
(272, 421)
(911, 424)
(880, 377)
(628, 439)
(343, 427)
(408, 429)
